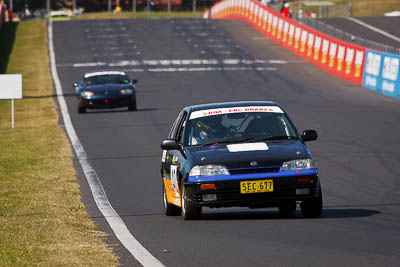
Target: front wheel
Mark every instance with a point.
(133, 106)
(312, 208)
(287, 209)
(169, 209)
(81, 109)
(189, 212)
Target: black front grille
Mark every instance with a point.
(282, 190)
(254, 170)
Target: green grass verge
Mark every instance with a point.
(138, 15)
(42, 219)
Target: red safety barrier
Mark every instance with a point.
(340, 58)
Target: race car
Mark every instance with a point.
(238, 154)
(105, 89)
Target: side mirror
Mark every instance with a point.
(309, 135)
(75, 84)
(170, 144)
(134, 81)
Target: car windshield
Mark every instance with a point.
(104, 79)
(239, 127)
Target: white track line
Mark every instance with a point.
(99, 195)
(176, 62)
(202, 69)
(375, 29)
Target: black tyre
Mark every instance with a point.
(189, 212)
(133, 106)
(312, 208)
(81, 109)
(286, 209)
(169, 209)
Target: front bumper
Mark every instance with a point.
(228, 193)
(109, 102)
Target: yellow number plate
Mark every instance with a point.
(258, 186)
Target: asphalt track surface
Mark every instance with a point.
(387, 24)
(357, 150)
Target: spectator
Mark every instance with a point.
(286, 11)
(9, 15)
(300, 14)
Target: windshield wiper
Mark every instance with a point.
(280, 137)
(228, 142)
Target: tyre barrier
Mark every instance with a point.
(357, 64)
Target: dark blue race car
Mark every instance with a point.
(239, 154)
(106, 89)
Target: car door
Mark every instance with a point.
(171, 162)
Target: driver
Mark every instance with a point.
(200, 133)
(208, 128)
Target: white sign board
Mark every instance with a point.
(10, 86)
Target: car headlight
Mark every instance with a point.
(299, 164)
(126, 91)
(208, 170)
(87, 94)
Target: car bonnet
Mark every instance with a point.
(261, 154)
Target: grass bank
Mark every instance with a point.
(366, 8)
(42, 219)
(138, 15)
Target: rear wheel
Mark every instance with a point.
(189, 212)
(287, 209)
(169, 209)
(312, 208)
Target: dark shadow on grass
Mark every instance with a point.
(7, 39)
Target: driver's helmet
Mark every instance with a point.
(208, 128)
(201, 131)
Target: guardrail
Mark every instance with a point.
(338, 33)
(345, 36)
(340, 58)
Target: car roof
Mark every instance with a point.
(103, 72)
(230, 104)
